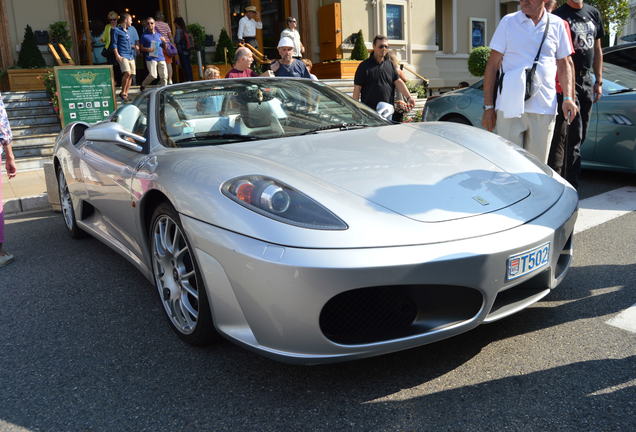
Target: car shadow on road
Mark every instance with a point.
(85, 347)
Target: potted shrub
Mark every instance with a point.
(360, 51)
(59, 33)
(32, 64)
(477, 60)
(224, 53)
(343, 69)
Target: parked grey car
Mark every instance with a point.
(290, 219)
(611, 138)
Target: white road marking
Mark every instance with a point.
(625, 320)
(614, 388)
(602, 208)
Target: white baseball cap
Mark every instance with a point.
(285, 42)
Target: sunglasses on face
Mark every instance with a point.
(383, 46)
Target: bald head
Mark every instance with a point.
(243, 58)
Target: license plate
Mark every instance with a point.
(528, 261)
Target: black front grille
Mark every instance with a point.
(374, 314)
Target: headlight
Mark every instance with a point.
(278, 201)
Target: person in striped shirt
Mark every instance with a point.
(165, 31)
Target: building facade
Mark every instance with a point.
(433, 36)
(629, 29)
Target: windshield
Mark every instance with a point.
(617, 79)
(227, 111)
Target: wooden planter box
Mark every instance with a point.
(223, 68)
(345, 69)
(26, 79)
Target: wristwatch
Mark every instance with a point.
(488, 107)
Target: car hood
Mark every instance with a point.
(416, 173)
(394, 185)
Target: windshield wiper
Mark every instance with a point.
(341, 126)
(205, 135)
(625, 90)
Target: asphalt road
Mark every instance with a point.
(84, 347)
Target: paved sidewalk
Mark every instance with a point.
(25, 192)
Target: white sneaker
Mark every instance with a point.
(6, 259)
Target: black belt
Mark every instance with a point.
(249, 37)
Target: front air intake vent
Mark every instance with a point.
(376, 314)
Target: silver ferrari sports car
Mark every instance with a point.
(288, 218)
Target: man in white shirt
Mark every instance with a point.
(291, 32)
(248, 26)
(514, 45)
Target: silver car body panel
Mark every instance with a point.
(267, 281)
(269, 297)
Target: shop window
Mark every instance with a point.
(395, 21)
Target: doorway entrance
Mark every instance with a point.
(91, 17)
(274, 15)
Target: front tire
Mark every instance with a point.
(66, 204)
(178, 279)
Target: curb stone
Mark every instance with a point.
(26, 204)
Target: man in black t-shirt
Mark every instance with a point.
(376, 78)
(586, 28)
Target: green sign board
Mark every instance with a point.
(85, 93)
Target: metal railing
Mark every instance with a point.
(61, 60)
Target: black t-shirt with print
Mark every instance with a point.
(586, 27)
(377, 81)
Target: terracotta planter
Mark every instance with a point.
(345, 69)
(26, 79)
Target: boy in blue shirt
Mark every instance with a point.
(151, 45)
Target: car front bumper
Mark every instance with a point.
(273, 299)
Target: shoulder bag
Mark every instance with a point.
(529, 71)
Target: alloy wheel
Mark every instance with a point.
(175, 274)
(66, 203)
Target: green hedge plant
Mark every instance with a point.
(30, 56)
(477, 60)
(198, 34)
(224, 43)
(59, 33)
(360, 51)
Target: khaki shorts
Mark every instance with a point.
(127, 66)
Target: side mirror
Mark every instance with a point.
(114, 132)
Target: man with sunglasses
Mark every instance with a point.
(291, 32)
(376, 78)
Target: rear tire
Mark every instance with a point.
(178, 279)
(66, 204)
